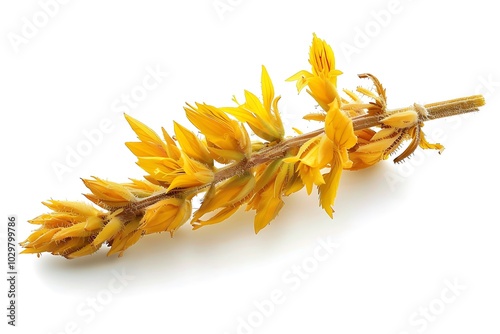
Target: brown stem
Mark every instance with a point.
(435, 111)
(454, 107)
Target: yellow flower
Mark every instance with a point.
(308, 165)
(322, 60)
(126, 237)
(227, 139)
(143, 188)
(70, 227)
(339, 129)
(322, 82)
(150, 144)
(163, 160)
(257, 174)
(168, 165)
(166, 215)
(184, 173)
(323, 91)
(194, 174)
(267, 206)
(274, 180)
(77, 229)
(108, 194)
(226, 197)
(262, 117)
(327, 149)
(192, 146)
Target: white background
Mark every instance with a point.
(403, 231)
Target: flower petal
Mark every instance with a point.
(267, 89)
(192, 145)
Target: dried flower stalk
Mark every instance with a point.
(355, 134)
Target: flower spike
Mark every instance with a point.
(231, 171)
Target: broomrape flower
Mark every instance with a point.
(174, 167)
(330, 147)
(322, 60)
(327, 149)
(226, 197)
(108, 194)
(227, 140)
(263, 118)
(221, 162)
(72, 230)
(275, 180)
(166, 215)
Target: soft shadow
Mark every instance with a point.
(233, 243)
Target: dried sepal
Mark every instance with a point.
(396, 127)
